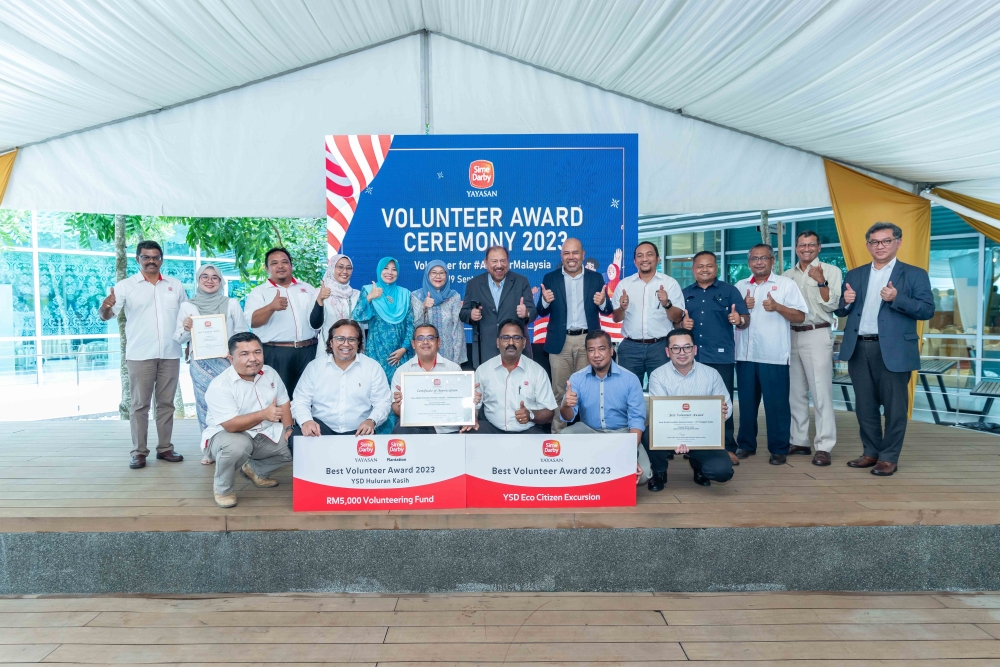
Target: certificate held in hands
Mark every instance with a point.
(438, 399)
(693, 421)
(209, 339)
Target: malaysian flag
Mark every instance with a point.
(352, 161)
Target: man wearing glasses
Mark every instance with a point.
(426, 342)
(516, 392)
(150, 301)
(883, 301)
(811, 367)
(763, 351)
(342, 393)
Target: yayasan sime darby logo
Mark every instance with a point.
(208, 323)
(397, 447)
(366, 447)
(481, 174)
(551, 447)
(685, 406)
(437, 382)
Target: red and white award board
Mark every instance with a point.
(550, 471)
(378, 472)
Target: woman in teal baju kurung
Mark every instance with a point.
(385, 306)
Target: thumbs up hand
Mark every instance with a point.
(109, 300)
(687, 322)
(374, 293)
(749, 300)
(522, 414)
(279, 302)
(600, 297)
(324, 294)
(770, 305)
(888, 293)
(849, 294)
(623, 301)
(428, 302)
(661, 294)
(734, 317)
(272, 413)
(571, 397)
(547, 295)
(522, 310)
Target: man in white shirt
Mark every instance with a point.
(426, 343)
(344, 392)
(248, 420)
(811, 370)
(648, 304)
(278, 311)
(763, 351)
(150, 301)
(516, 392)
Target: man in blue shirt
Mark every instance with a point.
(713, 308)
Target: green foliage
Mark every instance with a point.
(13, 227)
(102, 227)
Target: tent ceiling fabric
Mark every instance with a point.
(904, 87)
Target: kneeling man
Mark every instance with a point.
(516, 392)
(343, 392)
(248, 420)
(684, 376)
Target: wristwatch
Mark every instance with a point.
(825, 283)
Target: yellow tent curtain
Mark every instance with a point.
(860, 201)
(6, 166)
(989, 209)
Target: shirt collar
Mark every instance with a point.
(274, 284)
(500, 362)
(676, 372)
(753, 279)
(330, 360)
(414, 362)
(815, 262)
(236, 377)
(576, 277)
(891, 265)
(140, 278)
(614, 370)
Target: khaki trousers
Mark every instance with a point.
(572, 358)
(232, 450)
(642, 458)
(148, 378)
(811, 369)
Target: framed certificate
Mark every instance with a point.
(209, 338)
(438, 399)
(694, 421)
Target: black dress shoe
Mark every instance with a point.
(657, 481)
(700, 479)
(777, 459)
(138, 461)
(170, 455)
(744, 454)
(795, 449)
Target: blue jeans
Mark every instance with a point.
(770, 381)
(641, 358)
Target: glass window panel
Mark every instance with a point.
(689, 244)
(992, 301)
(90, 360)
(72, 288)
(19, 225)
(826, 228)
(655, 240)
(945, 221)
(736, 271)
(954, 274)
(182, 270)
(17, 363)
(176, 244)
(743, 238)
(680, 270)
(17, 290)
(53, 233)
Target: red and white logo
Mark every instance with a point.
(525, 383)
(437, 382)
(397, 447)
(366, 447)
(551, 447)
(774, 288)
(685, 406)
(208, 323)
(481, 174)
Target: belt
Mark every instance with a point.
(869, 337)
(647, 341)
(298, 343)
(575, 332)
(810, 327)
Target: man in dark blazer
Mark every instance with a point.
(492, 297)
(573, 298)
(882, 302)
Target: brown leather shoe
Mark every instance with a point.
(863, 462)
(138, 461)
(170, 455)
(796, 449)
(732, 457)
(821, 458)
(884, 469)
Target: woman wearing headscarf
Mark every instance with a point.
(211, 297)
(336, 299)
(438, 304)
(385, 306)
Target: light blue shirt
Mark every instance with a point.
(496, 290)
(701, 380)
(609, 403)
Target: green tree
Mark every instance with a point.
(13, 227)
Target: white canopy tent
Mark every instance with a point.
(219, 107)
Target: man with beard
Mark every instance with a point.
(249, 420)
(150, 301)
(516, 393)
(493, 297)
(343, 392)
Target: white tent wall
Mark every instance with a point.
(254, 151)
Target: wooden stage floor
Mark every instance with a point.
(74, 476)
(671, 629)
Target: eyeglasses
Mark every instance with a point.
(678, 349)
(421, 339)
(346, 339)
(807, 245)
(210, 278)
(150, 258)
(758, 258)
(511, 339)
(885, 243)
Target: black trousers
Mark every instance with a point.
(486, 427)
(323, 430)
(728, 372)
(413, 430)
(770, 382)
(714, 464)
(876, 386)
(288, 362)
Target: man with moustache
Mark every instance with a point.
(648, 304)
(712, 309)
(248, 420)
(493, 297)
(150, 301)
(516, 392)
(573, 298)
(343, 392)
(278, 312)
(426, 343)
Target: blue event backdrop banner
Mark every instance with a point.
(423, 197)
